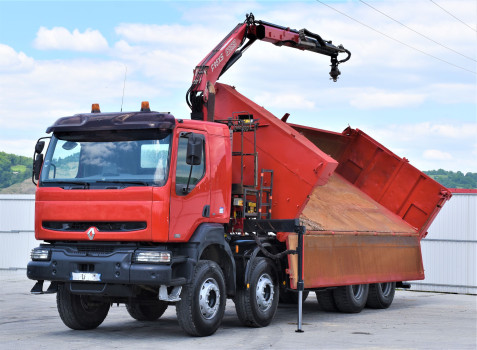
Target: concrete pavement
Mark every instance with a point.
(416, 320)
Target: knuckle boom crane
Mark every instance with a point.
(200, 96)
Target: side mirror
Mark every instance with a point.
(37, 163)
(37, 160)
(39, 146)
(194, 150)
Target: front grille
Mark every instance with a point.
(103, 226)
(100, 249)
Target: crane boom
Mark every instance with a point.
(201, 95)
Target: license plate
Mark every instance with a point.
(86, 276)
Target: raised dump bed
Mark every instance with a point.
(365, 209)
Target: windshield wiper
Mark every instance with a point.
(142, 183)
(80, 183)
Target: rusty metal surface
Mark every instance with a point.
(339, 206)
(336, 260)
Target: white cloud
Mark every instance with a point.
(286, 100)
(384, 99)
(60, 38)
(460, 131)
(12, 61)
(452, 93)
(176, 35)
(431, 145)
(23, 147)
(435, 154)
(58, 88)
(383, 83)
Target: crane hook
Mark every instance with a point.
(334, 72)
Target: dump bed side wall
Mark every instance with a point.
(337, 260)
(382, 175)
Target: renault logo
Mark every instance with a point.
(91, 232)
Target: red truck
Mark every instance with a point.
(149, 210)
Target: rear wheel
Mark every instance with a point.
(257, 304)
(149, 310)
(202, 305)
(381, 295)
(80, 312)
(326, 300)
(351, 299)
(288, 296)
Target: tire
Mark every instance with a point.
(351, 299)
(326, 300)
(202, 305)
(257, 305)
(80, 312)
(149, 310)
(288, 296)
(381, 295)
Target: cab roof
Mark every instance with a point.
(114, 121)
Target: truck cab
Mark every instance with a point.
(127, 200)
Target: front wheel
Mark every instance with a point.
(351, 299)
(381, 295)
(257, 304)
(202, 305)
(149, 310)
(80, 312)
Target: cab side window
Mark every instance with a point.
(188, 176)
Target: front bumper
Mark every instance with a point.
(112, 263)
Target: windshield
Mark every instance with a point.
(111, 159)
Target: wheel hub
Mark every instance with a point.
(209, 298)
(358, 291)
(385, 288)
(264, 292)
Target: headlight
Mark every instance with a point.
(40, 254)
(152, 257)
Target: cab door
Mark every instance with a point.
(190, 190)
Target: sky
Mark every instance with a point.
(410, 83)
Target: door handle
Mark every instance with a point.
(206, 211)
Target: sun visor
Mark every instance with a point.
(114, 121)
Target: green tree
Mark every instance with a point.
(452, 179)
(13, 169)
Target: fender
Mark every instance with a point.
(209, 235)
(248, 256)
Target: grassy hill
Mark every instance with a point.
(452, 179)
(13, 169)
(24, 187)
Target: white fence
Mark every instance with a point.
(449, 251)
(17, 237)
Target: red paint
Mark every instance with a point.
(128, 204)
(297, 164)
(386, 178)
(463, 190)
(186, 211)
